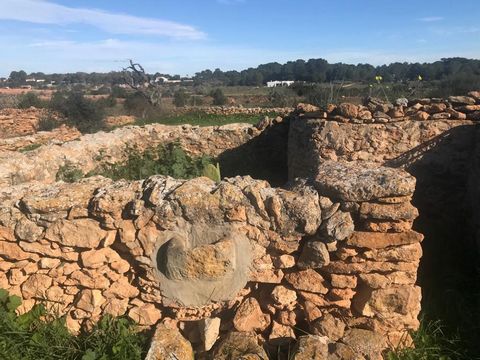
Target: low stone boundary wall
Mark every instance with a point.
(334, 257)
(58, 136)
(89, 151)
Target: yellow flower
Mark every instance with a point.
(420, 78)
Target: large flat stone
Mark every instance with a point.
(361, 181)
(375, 240)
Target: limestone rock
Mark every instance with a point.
(283, 296)
(461, 100)
(311, 347)
(403, 211)
(314, 255)
(403, 299)
(331, 327)
(343, 281)
(365, 342)
(307, 280)
(82, 233)
(359, 182)
(280, 334)
(168, 344)
(146, 314)
(237, 345)
(36, 286)
(96, 258)
(90, 300)
(374, 240)
(249, 317)
(27, 230)
(209, 331)
(338, 227)
(348, 110)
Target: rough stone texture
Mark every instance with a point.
(333, 252)
(361, 182)
(44, 163)
(311, 347)
(169, 343)
(312, 142)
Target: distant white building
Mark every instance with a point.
(31, 80)
(272, 84)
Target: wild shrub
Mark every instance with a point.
(29, 100)
(170, 160)
(84, 114)
(48, 122)
(69, 173)
(39, 334)
(180, 98)
(219, 97)
(281, 97)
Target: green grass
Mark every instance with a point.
(432, 342)
(39, 335)
(202, 119)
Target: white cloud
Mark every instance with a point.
(431, 18)
(45, 12)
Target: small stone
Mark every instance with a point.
(209, 331)
(307, 280)
(249, 317)
(314, 255)
(283, 296)
(343, 281)
(347, 110)
(49, 263)
(286, 317)
(284, 261)
(36, 286)
(90, 300)
(312, 312)
(238, 345)
(421, 116)
(329, 326)
(27, 230)
(146, 314)
(311, 347)
(168, 344)
(337, 228)
(280, 334)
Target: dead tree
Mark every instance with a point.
(136, 77)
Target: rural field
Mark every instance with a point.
(175, 185)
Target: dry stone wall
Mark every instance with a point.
(89, 151)
(336, 258)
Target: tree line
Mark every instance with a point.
(311, 71)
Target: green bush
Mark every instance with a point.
(170, 160)
(69, 173)
(180, 98)
(39, 335)
(219, 97)
(29, 100)
(48, 122)
(84, 114)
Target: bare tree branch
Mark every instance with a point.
(137, 79)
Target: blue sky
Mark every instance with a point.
(185, 36)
